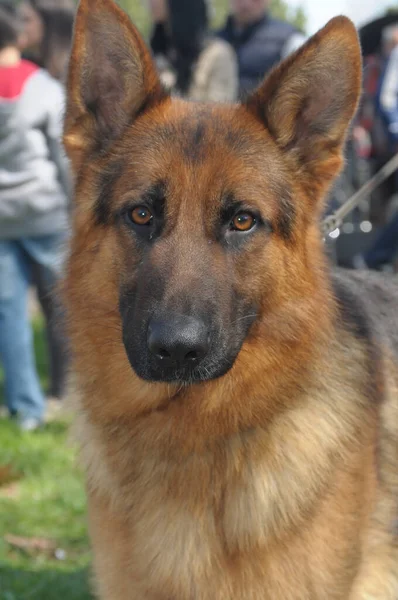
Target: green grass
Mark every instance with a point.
(44, 499)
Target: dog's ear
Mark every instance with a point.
(111, 78)
(307, 102)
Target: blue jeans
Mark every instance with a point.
(24, 396)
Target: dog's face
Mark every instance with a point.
(196, 215)
(208, 207)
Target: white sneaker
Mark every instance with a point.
(29, 424)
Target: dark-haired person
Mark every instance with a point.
(48, 29)
(259, 40)
(34, 189)
(192, 62)
(385, 248)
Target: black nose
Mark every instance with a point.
(179, 339)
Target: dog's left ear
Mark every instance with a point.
(307, 102)
(111, 78)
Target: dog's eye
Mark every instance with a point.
(140, 215)
(243, 221)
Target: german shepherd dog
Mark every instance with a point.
(238, 400)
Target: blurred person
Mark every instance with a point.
(385, 124)
(388, 92)
(158, 11)
(192, 62)
(260, 41)
(384, 143)
(384, 250)
(34, 189)
(372, 120)
(48, 30)
(389, 39)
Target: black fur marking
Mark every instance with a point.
(189, 135)
(237, 140)
(377, 296)
(352, 312)
(360, 299)
(102, 208)
(151, 100)
(155, 195)
(194, 135)
(286, 217)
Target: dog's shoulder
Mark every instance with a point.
(367, 305)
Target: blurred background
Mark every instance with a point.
(291, 11)
(215, 50)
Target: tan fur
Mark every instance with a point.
(277, 481)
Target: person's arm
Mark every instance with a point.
(223, 77)
(56, 107)
(389, 95)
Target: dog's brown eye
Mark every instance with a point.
(243, 221)
(141, 215)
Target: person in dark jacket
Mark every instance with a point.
(260, 41)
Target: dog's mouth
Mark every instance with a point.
(176, 374)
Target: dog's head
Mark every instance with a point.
(201, 221)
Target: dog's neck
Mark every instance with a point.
(181, 453)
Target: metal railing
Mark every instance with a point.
(334, 221)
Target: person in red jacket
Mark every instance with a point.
(34, 193)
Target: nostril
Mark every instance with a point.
(179, 340)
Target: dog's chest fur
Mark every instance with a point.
(228, 515)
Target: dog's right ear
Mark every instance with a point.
(111, 78)
(308, 101)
